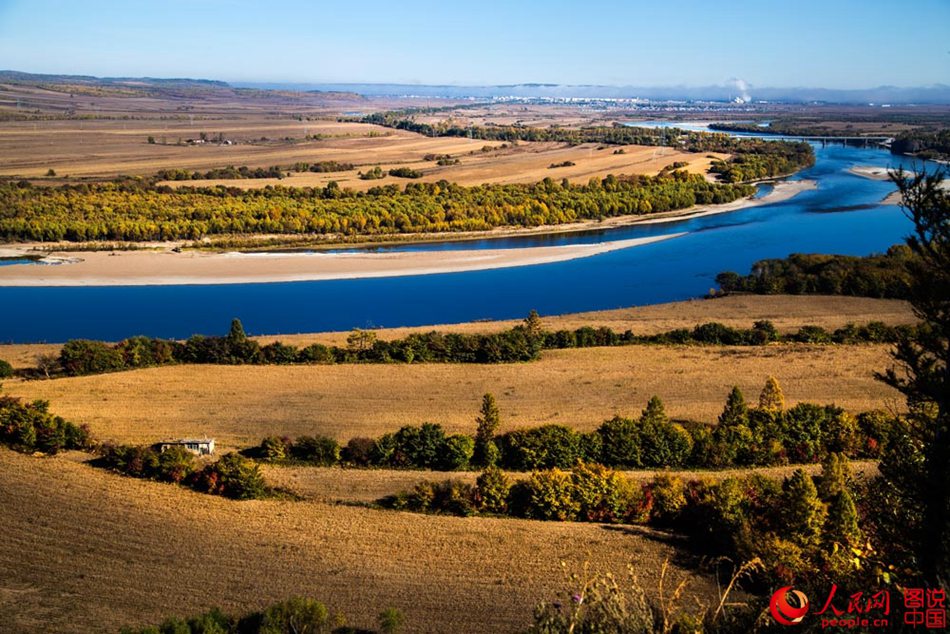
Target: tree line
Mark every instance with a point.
(522, 343)
(766, 435)
(887, 275)
(803, 529)
(133, 210)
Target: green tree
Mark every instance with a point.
(803, 513)
(236, 334)
(486, 451)
(736, 411)
(918, 469)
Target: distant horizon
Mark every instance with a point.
(932, 94)
(259, 81)
(842, 45)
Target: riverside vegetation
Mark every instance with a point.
(131, 210)
(522, 343)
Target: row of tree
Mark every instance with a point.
(802, 529)
(769, 434)
(138, 210)
(522, 343)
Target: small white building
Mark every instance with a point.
(197, 446)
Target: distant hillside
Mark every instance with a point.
(156, 86)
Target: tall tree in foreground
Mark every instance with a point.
(917, 465)
(486, 451)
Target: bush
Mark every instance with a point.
(452, 497)
(358, 451)
(296, 615)
(667, 498)
(491, 491)
(80, 356)
(29, 427)
(458, 452)
(175, 464)
(232, 476)
(547, 495)
(620, 443)
(546, 447)
(317, 450)
(604, 495)
(6, 370)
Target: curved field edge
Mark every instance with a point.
(85, 549)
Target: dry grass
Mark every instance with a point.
(524, 163)
(106, 148)
(87, 550)
(239, 405)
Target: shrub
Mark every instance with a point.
(603, 495)
(6, 370)
(175, 464)
(358, 451)
(275, 448)
(452, 497)
(296, 615)
(81, 356)
(458, 452)
(491, 491)
(620, 443)
(232, 476)
(667, 499)
(318, 450)
(31, 427)
(875, 429)
(548, 495)
(546, 447)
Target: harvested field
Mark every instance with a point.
(238, 405)
(86, 550)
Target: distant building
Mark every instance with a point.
(197, 446)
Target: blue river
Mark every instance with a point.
(841, 216)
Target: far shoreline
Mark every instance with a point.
(163, 265)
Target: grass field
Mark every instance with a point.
(581, 388)
(86, 550)
(108, 148)
(238, 405)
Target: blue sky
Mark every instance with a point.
(814, 43)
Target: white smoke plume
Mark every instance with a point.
(742, 88)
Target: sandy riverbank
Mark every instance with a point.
(150, 268)
(883, 174)
(165, 267)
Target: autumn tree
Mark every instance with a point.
(772, 399)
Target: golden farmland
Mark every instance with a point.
(85, 549)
